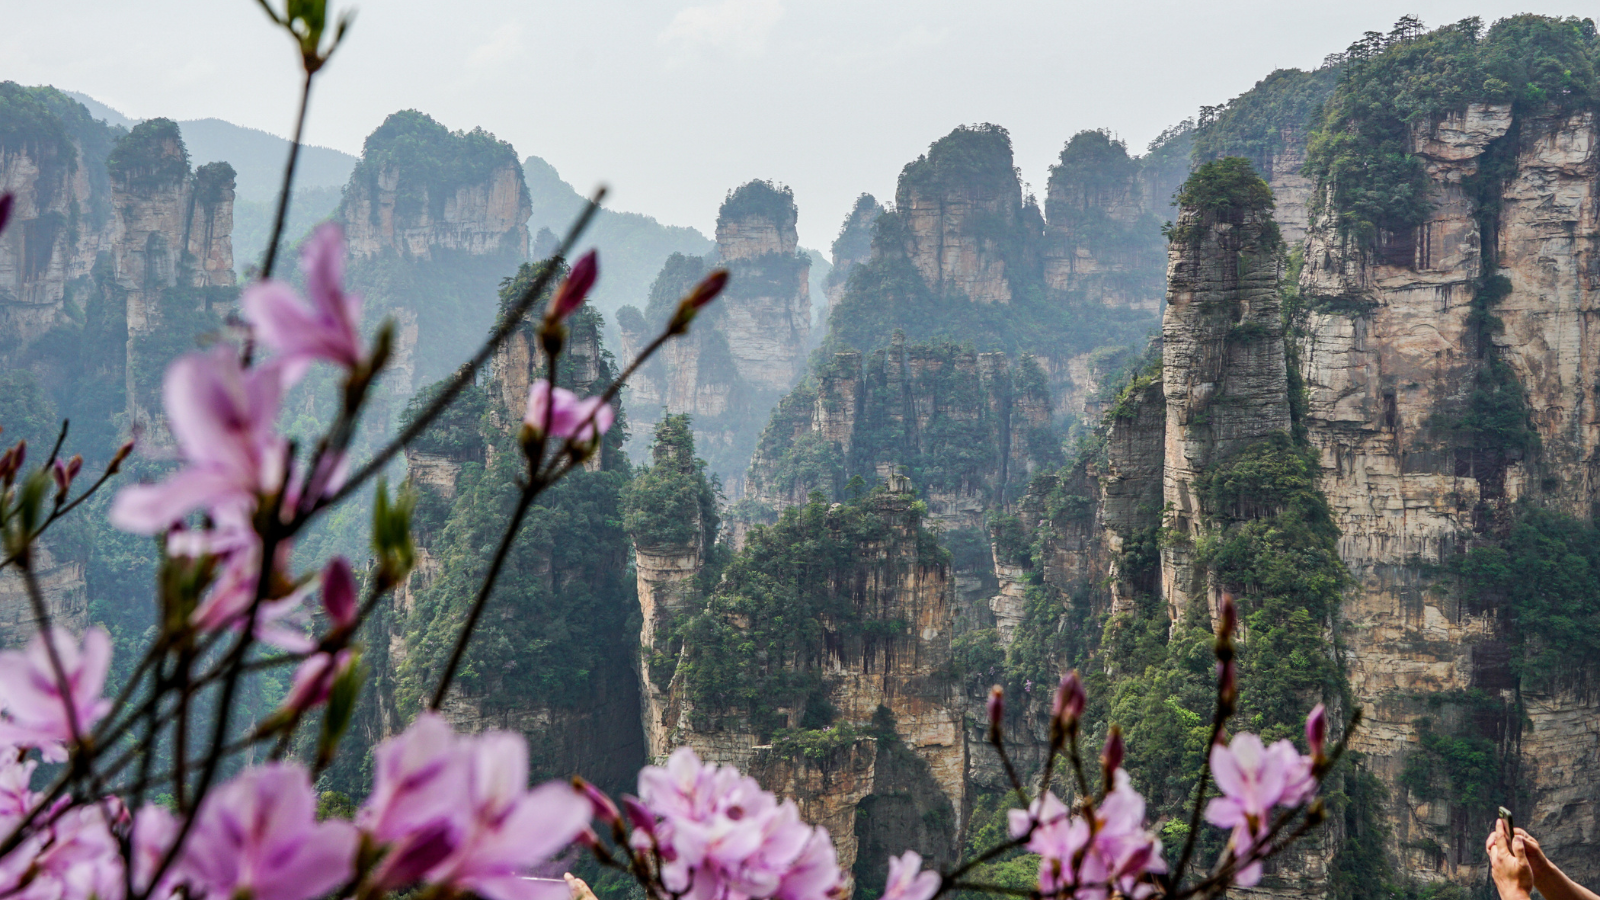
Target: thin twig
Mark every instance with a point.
(288, 180)
(523, 502)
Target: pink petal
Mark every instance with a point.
(322, 260)
(1231, 779)
(153, 508)
(339, 592)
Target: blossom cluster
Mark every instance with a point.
(1090, 853)
(445, 810)
(719, 836)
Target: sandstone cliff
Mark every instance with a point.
(851, 713)
(434, 220)
(852, 247)
(1394, 349)
(743, 352)
(554, 594)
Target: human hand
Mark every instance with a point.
(1508, 862)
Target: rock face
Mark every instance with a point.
(171, 241)
(1222, 369)
(60, 216)
(1103, 233)
(853, 246)
(885, 764)
(66, 596)
(969, 428)
(434, 221)
(1391, 355)
(745, 350)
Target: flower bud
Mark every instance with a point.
(1317, 731)
(6, 202)
(575, 288)
(122, 454)
(1111, 757)
(703, 293)
(339, 592)
(1228, 620)
(1227, 681)
(604, 809)
(639, 815)
(997, 708)
(1069, 699)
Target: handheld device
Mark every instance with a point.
(1505, 814)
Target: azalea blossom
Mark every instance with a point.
(1254, 780)
(72, 856)
(1118, 853)
(907, 881)
(569, 416)
(455, 811)
(328, 327)
(279, 621)
(222, 416)
(722, 836)
(258, 836)
(36, 711)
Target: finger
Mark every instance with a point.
(1519, 849)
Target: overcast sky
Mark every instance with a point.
(672, 102)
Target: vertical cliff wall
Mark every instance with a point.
(435, 220)
(1406, 339)
(820, 664)
(746, 350)
(52, 159)
(1222, 369)
(554, 594)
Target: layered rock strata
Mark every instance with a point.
(1391, 353)
(742, 353)
(1223, 377)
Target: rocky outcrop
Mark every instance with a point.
(956, 205)
(1222, 365)
(852, 247)
(1103, 240)
(744, 351)
(969, 428)
(1392, 350)
(60, 213)
(889, 752)
(421, 189)
(65, 594)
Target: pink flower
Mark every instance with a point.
(259, 835)
(1118, 854)
(314, 678)
(327, 328)
(339, 593)
(722, 836)
(72, 856)
(575, 288)
(1253, 780)
(570, 417)
(222, 416)
(278, 621)
(36, 711)
(153, 831)
(507, 829)
(815, 874)
(907, 881)
(456, 812)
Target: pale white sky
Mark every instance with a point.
(672, 102)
